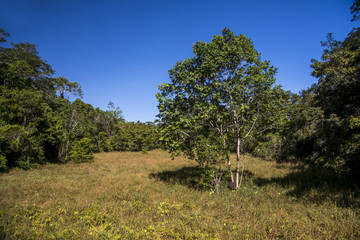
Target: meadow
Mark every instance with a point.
(127, 195)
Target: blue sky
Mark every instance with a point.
(120, 51)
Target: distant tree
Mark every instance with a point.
(64, 88)
(217, 99)
(74, 121)
(135, 136)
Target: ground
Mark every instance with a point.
(149, 196)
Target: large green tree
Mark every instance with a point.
(25, 120)
(217, 99)
(338, 95)
(37, 122)
(325, 125)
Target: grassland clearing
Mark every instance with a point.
(125, 195)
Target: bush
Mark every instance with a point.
(3, 163)
(82, 151)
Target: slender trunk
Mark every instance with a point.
(216, 183)
(67, 150)
(231, 173)
(242, 171)
(237, 162)
(218, 176)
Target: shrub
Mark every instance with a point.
(3, 163)
(82, 151)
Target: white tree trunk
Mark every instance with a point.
(237, 163)
(231, 173)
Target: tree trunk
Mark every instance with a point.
(237, 162)
(217, 181)
(231, 173)
(242, 171)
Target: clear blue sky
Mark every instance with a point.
(120, 51)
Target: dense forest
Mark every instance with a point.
(39, 124)
(223, 100)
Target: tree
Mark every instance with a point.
(109, 121)
(338, 95)
(324, 125)
(24, 120)
(355, 10)
(3, 35)
(74, 121)
(217, 99)
(82, 151)
(38, 122)
(64, 88)
(301, 141)
(135, 136)
(21, 66)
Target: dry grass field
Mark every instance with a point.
(149, 196)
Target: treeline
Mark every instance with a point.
(38, 123)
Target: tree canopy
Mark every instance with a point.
(39, 124)
(217, 99)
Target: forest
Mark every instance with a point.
(220, 108)
(39, 124)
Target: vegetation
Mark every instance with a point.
(299, 153)
(38, 124)
(131, 195)
(223, 99)
(324, 122)
(218, 98)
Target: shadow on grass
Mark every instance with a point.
(188, 176)
(191, 177)
(317, 186)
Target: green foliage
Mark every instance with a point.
(109, 121)
(102, 143)
(33, 114)
(355, 10)
(268, 146)
(135, 137)
(21, 66)
(25, 119)
(82, 151)
(324, 120)
(64, 88)
(217, 99)
(39, 124)
(3, 161)
(301, 132)
(338, 94)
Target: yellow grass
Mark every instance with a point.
(149, 196)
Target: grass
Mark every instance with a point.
(149, 196)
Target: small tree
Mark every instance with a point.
(82, 151)
(217, 99)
